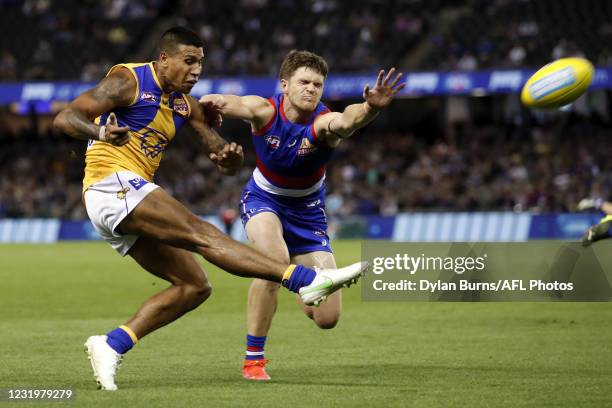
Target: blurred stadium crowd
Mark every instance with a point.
(547, 166)
(481, 168)
(69, 39)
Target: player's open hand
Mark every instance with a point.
(212, 106)
(382, 94)
(113, 133)
(229, 159)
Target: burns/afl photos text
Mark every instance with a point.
(502, 285)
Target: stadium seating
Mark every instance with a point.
(72, 40)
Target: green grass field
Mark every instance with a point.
(380, 355)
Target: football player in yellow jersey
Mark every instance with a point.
(128, 119)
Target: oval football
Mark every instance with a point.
(557, 84)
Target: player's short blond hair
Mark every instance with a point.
(297, 59)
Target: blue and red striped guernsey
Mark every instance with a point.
(291, 160)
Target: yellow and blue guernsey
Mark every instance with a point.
(154, 118)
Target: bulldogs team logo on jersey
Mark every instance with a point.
(306, 147)
(148, 96)
(273, 141)
(180, 107)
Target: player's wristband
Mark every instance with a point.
(102, 134)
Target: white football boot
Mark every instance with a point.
(104, 361)
(328, 281)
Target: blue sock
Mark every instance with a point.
(255, 347)
(119, 340)
(301, 276)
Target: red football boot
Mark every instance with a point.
(255, 370)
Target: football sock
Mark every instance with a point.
(255, 347)
(297, 276)
(121, 339)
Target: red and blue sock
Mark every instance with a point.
(121, 339)
(297, 276)
(255, 347)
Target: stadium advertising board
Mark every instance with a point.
(337, 86)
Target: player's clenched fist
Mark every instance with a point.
(229, 158)
(112, 133)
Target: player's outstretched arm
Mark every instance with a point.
(595, 203)
(227, 156)
(334, 126)
(253, 109)
(76, 120)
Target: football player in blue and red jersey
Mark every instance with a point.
(283, 204)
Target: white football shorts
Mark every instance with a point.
(110, 200)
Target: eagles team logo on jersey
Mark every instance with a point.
(306, 147)
(180, 107)
(121, 193)
(152, 142)
(273, 142)
(148, 97)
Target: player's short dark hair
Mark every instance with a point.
(174, 36)
(297, 59)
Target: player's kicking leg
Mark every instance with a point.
(161, 217)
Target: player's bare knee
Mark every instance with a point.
(204, 292)
(326, 323)
(327, 320)
(195, 294)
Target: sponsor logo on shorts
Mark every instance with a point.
(137, 183)
(273, 141)
(121, 193)
(319, 232)
(260, 209)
